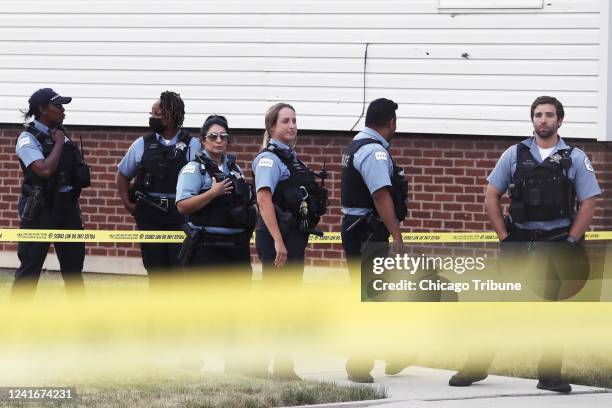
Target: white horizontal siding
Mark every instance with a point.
(474, 73)
(260, 6)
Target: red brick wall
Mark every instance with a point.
(447, 176)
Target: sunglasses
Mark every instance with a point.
(214, 136)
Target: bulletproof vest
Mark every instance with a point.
(541, 191)
(160, 164)
(355, 192)
(234, 210)
(300, 192)
(66, 172)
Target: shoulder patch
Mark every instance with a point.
(263, 162)
(588, 165)
(190, 168)
(25, 141)
(381, 156)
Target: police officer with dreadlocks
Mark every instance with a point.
(219, 204)
(155, 160)
(547, 180)
(54, 174)
(374, 192)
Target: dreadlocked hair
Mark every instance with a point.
(173, 108)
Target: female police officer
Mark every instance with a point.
(289, 199)
(218, 202)
(54, 173)
(156, 159)
(290, 205)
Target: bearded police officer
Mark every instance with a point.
(373, 199)
(155, 160)
(544, 177)
(54, 174)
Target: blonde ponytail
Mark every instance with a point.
(266, 139)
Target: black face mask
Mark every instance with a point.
(156, 125)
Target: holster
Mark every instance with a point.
(193, 237)
(285, 220)
(34, 200)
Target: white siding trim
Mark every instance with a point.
(605, 107)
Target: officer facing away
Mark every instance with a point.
(155, 160)
(544, 177)
(373, 199)
(54, 174)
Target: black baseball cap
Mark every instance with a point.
(45, 96)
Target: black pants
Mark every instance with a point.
(295, 242)
(33, 254)
(353, 243)
(159, 259)
(555, 267)
(235, 259)
(289, 277)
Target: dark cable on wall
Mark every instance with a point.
(365, 62)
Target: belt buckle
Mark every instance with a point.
(163, 201)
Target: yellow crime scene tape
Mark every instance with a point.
(40, 235)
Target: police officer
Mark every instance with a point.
(544, 177)
(155, 160)
(373, 198)
(54, 174)
(219, 204)
(290, 203)
(290, 200)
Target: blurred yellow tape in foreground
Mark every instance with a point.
(39, 235)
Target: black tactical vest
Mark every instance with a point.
(160, 164)
(541, 191)
(235, 210)
(300, 186)
(355, 192)
(66, 172)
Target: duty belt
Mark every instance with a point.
(165, 202)
(160, 203)
(223, 240)
(557, 234)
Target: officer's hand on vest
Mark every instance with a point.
(219, 189)
(57, 136)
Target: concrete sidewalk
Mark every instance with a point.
(419, 387)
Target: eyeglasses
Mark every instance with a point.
(214, 136)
